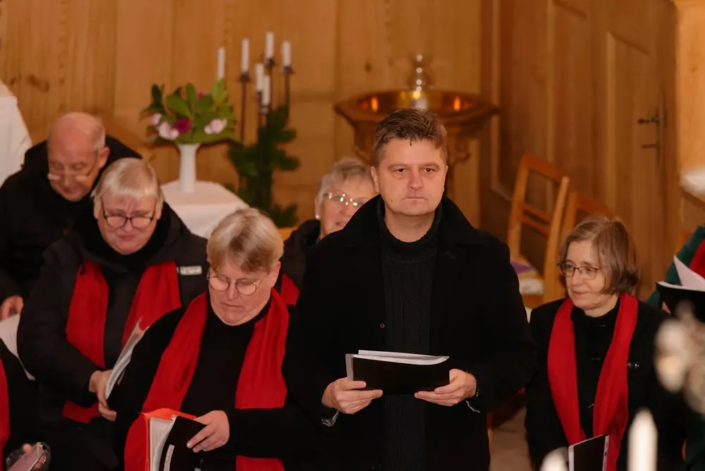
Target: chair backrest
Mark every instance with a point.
(581, 203)
(285, 232)
(548, 224)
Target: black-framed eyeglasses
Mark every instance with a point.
(345, 200)
(117, 221)
(223, 283)
(586, 272)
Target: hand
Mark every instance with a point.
(343, 395)
(11, 305)
(462, 386)
(96, 385)
(215, 434)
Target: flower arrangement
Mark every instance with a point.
(188, 117)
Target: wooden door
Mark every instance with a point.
(630, 105)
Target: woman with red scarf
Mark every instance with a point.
(221, 361)
(125, 263)
(596, 350)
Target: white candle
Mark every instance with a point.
(269, 46)
(245, 56)
(265, 92)
(221, 63)
(259, 76)
(286, 54)
(642, 443)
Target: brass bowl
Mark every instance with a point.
(455, 108)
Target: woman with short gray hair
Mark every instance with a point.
(342, 191)
(221, 361)
(127, 261)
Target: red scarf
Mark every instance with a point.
(611, 411)
(289, 291)
(697, 264)
(156, 295)
(260, 386)
(4, 411)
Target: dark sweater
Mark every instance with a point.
(408, 283)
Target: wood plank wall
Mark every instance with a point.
(63, 55)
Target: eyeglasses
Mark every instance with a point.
(78, 176)
(345, 200)
(586, 273)
(116, 221)
(221, 283)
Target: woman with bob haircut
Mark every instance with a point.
(596, 350)
(221, 361)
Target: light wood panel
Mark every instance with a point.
(85, 54)
(575, 78)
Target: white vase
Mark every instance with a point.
(187, 167)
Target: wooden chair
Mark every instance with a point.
(285, 232)
(548, 224)
(577, 204)
(580, 203)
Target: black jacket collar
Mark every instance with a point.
(454, 230)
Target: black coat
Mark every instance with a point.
(295, 249)
(34, 216)
(62, 371)
(285, 433)
(544, 430)
(478, 319)
(23, 404)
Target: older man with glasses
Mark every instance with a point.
(39, 203)
(127, 261)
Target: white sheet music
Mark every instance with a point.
(689, 279)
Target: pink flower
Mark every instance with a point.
(155, 118)
(183, 125)
(167, 132)
(216, 126)
(202, 94)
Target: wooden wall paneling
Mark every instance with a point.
(143, 56)
(313, 96)
(90, 61)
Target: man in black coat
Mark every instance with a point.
(39, 203)
(409, 274)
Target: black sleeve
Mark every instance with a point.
(22, 395)
(129, 395)
(544, 432)
(510, 359)
(285, 433)
(307, 367)
(41, 336)
(8, 286)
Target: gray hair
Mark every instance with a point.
(131, 178)
(345, 169)
(248, 239)
(90, 125)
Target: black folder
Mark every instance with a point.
(678, 296)
(175, 455)
(398, 373)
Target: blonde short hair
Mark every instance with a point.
(131, 178)
(347, 168)
(247, 238)
(614, 250)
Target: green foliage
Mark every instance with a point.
(193, 114)
(256, 164)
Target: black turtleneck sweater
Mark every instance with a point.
(593, 336)
(408, 269)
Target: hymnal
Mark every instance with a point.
(398, 373)
(691, 291)
(124, 359)
(589, 455)
(168, 433)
